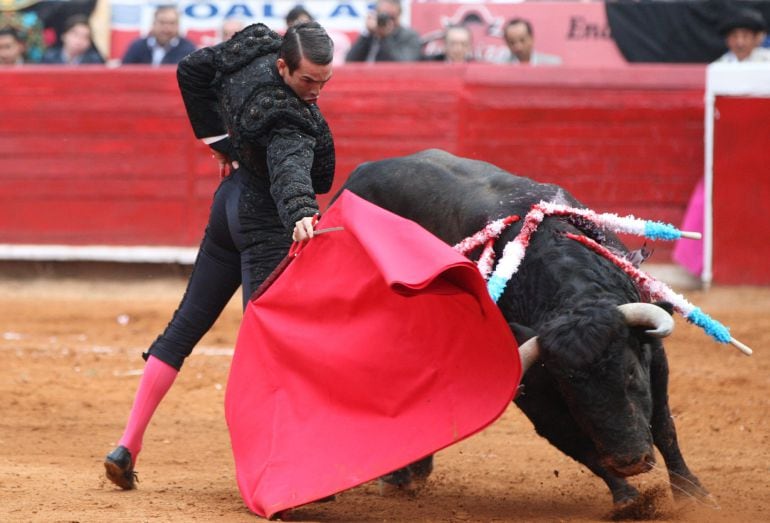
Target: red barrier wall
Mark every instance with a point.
(106, 156)
(741, 190)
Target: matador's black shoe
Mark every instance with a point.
(119, 468)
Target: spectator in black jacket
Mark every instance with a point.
(385, 39)
(163, 45)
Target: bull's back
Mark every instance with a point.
(455, 197)
(448, 195)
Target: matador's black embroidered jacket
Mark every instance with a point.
(234, 88)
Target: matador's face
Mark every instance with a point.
(307, 80)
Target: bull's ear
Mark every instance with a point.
(521, 332)
(666, 306)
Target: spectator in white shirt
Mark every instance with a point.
(744, 31)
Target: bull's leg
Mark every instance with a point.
(421, 469)
(405, 477)
(622, 491)
(683, 482)
(542, 404)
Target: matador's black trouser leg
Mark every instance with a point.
(262, 239)
(244, 241)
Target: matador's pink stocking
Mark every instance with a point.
(156, 381)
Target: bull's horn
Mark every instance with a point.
(648, 315)
(529, 351)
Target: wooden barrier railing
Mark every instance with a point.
(106, 156)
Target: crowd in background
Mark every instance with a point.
(384, 38)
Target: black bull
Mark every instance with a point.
(598, 390)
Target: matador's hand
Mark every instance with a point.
(304, 228)
(225, 165)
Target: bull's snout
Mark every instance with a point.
(624, 466)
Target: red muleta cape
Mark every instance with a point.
(377, 346)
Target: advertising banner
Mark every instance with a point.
(578, 32)
(201, 20)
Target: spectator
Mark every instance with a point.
(298, 15)
(11, 46)
(384, 39)
(744, 32)
(519, 37)
(458, 45)
(29, 28)
(163, 45)
(230, 26)
(76, 46)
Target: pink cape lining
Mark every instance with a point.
(377, 346)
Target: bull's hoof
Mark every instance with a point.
(397, 478)
(421, 469)
(410, 488)
(401, 483)
(407, 480)
(649, 504)
(284, 515)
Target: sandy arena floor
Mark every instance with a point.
(69, 365)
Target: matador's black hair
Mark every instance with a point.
(308, 40)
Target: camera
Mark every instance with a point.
(383, 19)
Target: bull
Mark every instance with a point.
(597, 384)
